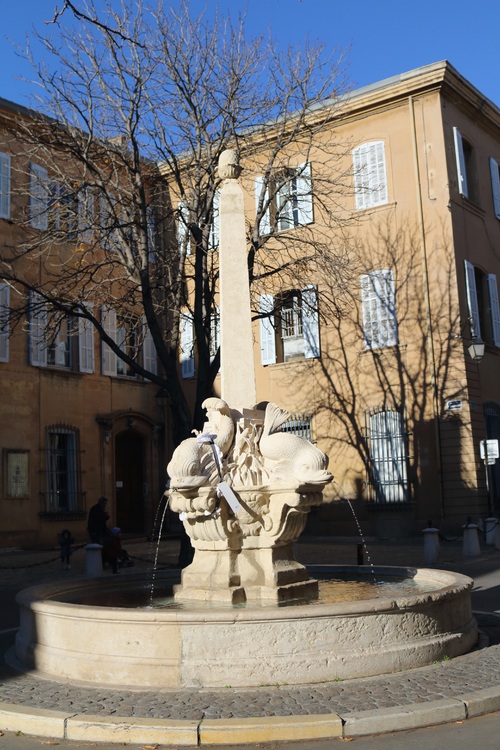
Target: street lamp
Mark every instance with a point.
(476, 349)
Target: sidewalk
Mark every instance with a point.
(449, 691)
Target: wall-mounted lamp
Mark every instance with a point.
(476, 349)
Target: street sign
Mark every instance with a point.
(489, 450)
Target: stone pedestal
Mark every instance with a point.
(471, 546)
(431, 545)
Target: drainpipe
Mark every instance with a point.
(428, 319)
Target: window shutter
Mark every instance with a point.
(472, 301)
(214, 229)
(38, 331)
(378, 175)
(85, 214)
(310, 322)
(494, 308)
(379, 309)
(370, 175)
(4, 186)
(38, 197)
(151, 233)
(267, 332)
(214, 332)
(305, 213)
(4, 321)
(86, 344)
(265, 221)
(360, 167)
(284, 205)
(148, 349)
(463, 188)
(183, 238)
(187, 346)
(495, 186)
(108, 355)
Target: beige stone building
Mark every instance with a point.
(76, 423)
(388, 388)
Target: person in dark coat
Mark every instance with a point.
(65, 542)
(96, 522)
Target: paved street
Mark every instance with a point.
(427, 687)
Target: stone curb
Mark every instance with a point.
(60, 725)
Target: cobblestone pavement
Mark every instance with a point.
(472, 672)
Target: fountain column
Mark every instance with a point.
(236, 340)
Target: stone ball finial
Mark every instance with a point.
(229, 168)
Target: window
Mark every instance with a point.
(39, 197)
(289, 328)
(133, 338)
(59, 344)
(379, 310)
(62, 469)
(291, 201)
(214, 332)
(300, 425)
(4, 321)
(16, 473)
(370, 178)
(387, 441)
(4, 186)
(151, 233)
(59, 341)
(482, 304)
(495, 185)
(214, 227)
(466, 167)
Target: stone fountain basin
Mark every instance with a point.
(216, 647)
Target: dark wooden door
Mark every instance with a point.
(129, 481)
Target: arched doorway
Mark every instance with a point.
(129, 481)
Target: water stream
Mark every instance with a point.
(360, 531)
(160, 530)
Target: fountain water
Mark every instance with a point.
(243, 489)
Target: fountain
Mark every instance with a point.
(243, 489)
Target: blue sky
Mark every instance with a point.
(386, 37)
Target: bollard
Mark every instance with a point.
(497, 536)
(93, 560)
(491, 524)
(431, 544)
(471, 546)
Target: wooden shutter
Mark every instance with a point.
(86, 343)
(4, 186)
(379, 309)
(187, 346)
(265, 221)
(495, 186)
(284, 205)
(370, 176)
(183, 238)
(494, 308)
(4, 321)
(38, 197)
(304, 191)
(148, 349)
(108, 355)
(214, 228)
(463, 188)
(310, 322)
(267, 332)
(472, 301)
(214, 332)
(38, 331)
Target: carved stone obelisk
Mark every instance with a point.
(236, 341)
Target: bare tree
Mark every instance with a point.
(136, 105)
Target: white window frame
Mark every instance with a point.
(149, 355)
(39, 197)
(370, 175)
(214, 226)
(265, 220)
(4, 321)
(389, 456)
(378, 303)
(38, 331)
(495, 185)
(4, 186)
(183, 234)
(86, 214)
(494, 308)
(70, 476)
